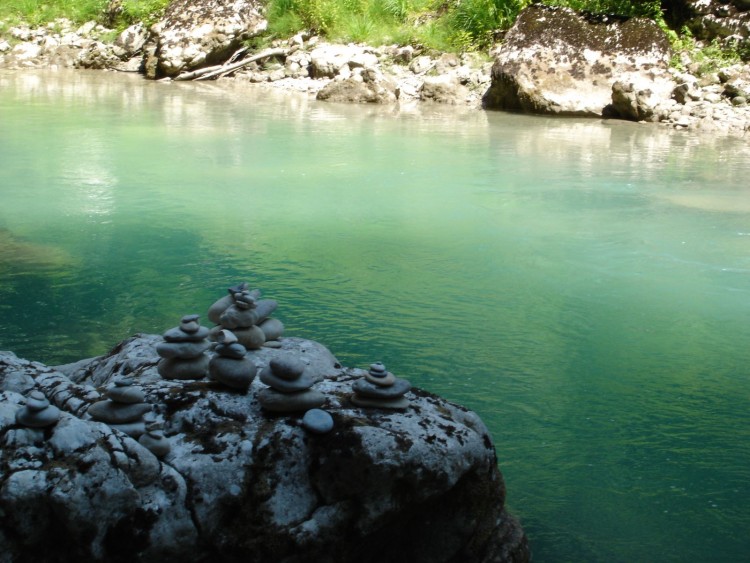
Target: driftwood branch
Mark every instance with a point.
(222, 70)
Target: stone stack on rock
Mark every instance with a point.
(231, 365)
(155, 441)
(37, 413)
(183, 350)
(290, 388)
(123, 408)
(381, 389)
(245, 314)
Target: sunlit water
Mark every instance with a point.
(584, 286)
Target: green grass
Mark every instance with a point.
(40, 12)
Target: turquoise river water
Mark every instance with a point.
(583, 285)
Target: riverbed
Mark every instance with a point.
(583, 285)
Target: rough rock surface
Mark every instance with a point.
(241, 485)
(195, 34)
(725, 20)
(557, 61)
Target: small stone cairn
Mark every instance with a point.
(248, 316)
(290, 388)
(231, 365)
(381, 389)
(123, 408)
(155, 441)
(183, 352)
(37, 413)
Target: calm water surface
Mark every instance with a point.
(583, 285)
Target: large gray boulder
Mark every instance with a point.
(557, 61)
(197, 33)
(239, 484)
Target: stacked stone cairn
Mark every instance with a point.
(289, 387)
(231, 365)
(248, 316)
(155, 441)
(123, 407)
(381, 389)
(183, 352)
(37, 413)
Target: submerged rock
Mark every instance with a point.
(417, 485)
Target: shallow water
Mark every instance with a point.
(583, 285)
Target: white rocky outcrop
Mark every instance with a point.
(239, 483)
(557, 61)
(195, 34)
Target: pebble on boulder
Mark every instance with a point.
(317, 421)
(289, 387)
(123, 408)
(37, 413)
(231, 365)
(381, 389)
(183, 352)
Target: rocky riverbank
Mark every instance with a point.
(600, 82)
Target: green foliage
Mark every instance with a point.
(478, 19)
(40, 12)
(146, 11)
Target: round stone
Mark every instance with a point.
(183, 350)
(38, 418)
(176, 334)
(399, 403)
(126, 394)
(36, 401)
(317, 421)
(244, 300)
(116, 413)
(155, 442)
(272, 328)
(272, 400)
(215, 310)
(233, 350)
(234, 373)
(378, 370)
(303, 382)
(190, 324)
(287, 367)
(364, 388)
(251, 338)
(235, 317)
(264, 308)
(133, 429)
(226, 337)
(172, 368)
(381, 381)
